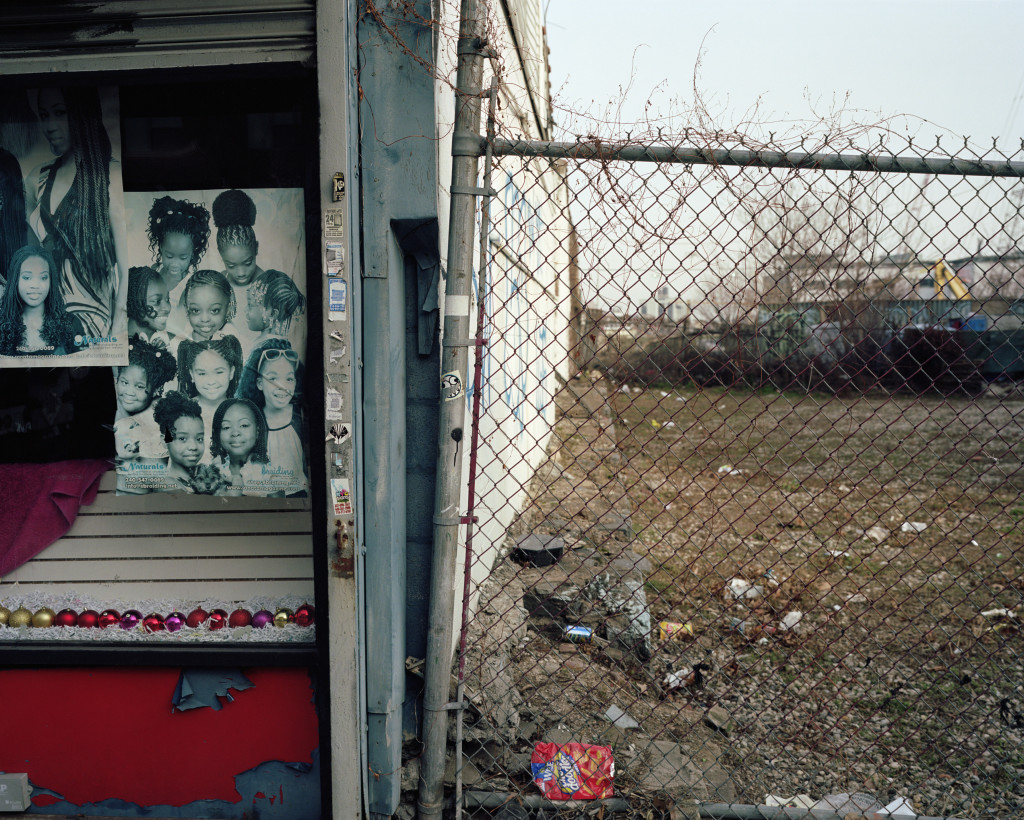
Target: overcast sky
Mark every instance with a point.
(959, 64)
(949, 67)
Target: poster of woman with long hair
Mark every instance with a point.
(62, 241)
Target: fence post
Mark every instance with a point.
(454, 359)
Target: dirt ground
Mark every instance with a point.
(876, 541)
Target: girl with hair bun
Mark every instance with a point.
(137, 386)
(234, 215)
(181, 422)
(178, 231)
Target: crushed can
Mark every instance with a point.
(579, 634)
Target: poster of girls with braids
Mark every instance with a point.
(211, 400)
(63, 274)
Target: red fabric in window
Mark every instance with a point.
(39, 503)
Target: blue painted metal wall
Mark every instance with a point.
(399, 180)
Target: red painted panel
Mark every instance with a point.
(96, 734)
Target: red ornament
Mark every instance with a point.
(130, 619)
(153, 622)
(66, 617)
(240, 617)
(109, 617)
(305, 615)
(218, 619)
(197, 617)
(262, 619)
(174, 621)
(89, 619)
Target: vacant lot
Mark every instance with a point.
(892, 524)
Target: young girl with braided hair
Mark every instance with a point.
(210, 306)
(148, 307)
(209, 372)
(272, 302)
(33, 319)
(178, 231)
(73, 209)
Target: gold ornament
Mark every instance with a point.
(5, 613)
(283, 617)
(43, 617)
(20, 617)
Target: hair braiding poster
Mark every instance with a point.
(210, 401)
(63, 274)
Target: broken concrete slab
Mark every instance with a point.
(620, 718)
(615, 522)
(719, 719)
(674, 773)
(470, 774)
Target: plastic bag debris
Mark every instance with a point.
(573, 771)
(913, 526)
(740, 589)
(1002, 612)
(728, 469)
(685, 678)
(791, 620)
(876, 534)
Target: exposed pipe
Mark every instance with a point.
(712, 811)
(885, 163)
(474, 445)
(454, 358)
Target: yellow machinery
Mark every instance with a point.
(943, 277)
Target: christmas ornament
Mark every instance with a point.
(66, 617)
(109, 617)
(197, 617)
(262, 618)
(43, 617)
(174, 621)
(130, 619)
(283, 617)
(20, 617)
(218, 619)
(5, 613)
(240, 617)
(153, 623)
(88, 619)
(304, 615)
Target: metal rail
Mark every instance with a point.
(694, 155)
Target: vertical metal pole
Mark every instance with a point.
(467, 575)
(454, 358)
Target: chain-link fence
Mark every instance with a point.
(769, 550)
